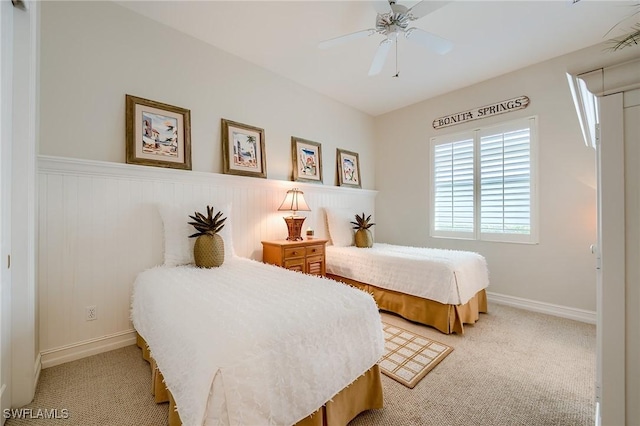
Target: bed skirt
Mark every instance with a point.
(446, 318)
(365, 393)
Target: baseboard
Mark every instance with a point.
(87, 348)
(576, 314)
(37, 368)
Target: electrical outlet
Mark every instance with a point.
(90, 313)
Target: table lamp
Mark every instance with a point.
(294, 201)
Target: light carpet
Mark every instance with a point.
(512, 367)
(408, 356)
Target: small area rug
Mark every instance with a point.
(408, 357)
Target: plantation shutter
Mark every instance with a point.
(505, 182)
(453, 186)
(483, 183)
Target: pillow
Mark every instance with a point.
(178, 247)
(339, 226)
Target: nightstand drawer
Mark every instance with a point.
(295, 264)
(293, 252)
(315, 250)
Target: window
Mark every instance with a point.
(483, 183)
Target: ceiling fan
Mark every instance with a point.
(392, 21)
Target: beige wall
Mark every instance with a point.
(93, 53)
(560, 269)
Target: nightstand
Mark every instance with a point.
(305, 256)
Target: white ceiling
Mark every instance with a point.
(490, 38)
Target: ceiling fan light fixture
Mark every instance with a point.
(394, 33)
(392, 19)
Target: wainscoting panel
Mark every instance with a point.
(99, 227)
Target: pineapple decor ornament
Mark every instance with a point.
(363, 235)
(208, 250)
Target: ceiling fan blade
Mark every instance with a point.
(343, 39)
(424, 8)
(431, 41)
(382, 6)
(380, 57)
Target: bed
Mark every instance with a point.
(444, 289)
(249, 343)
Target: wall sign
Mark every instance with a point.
(509, 105)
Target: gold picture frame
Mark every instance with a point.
(307, 160)
(157, 134)
(348, 164)
(243, 150)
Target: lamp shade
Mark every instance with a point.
(294, 201)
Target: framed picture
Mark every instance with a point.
(157, 134)
(348, 168)
(243, 149)
(307, 160)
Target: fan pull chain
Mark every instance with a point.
(397, 72)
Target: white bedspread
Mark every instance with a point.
(446, 276)
(249, 343)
